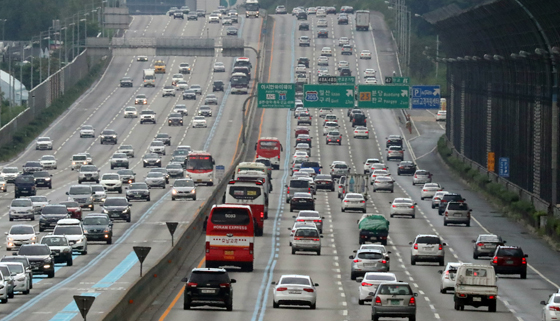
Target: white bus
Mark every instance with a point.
(252, 8)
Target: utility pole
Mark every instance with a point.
(437, 55)
(49, 50)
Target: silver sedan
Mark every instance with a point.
(403, 206)
(429, 190)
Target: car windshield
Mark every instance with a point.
(174, 166)
(68, 230)
(155, 174)
(96, 221)
(39, 199)
(48, 157)
(299, 184)
(130, 108)
(402, 201)
(138, 186)
(295, 280)
(307, 232)
(394, 289)
(116, 202)
(383, 179)
(30, 250)
(110, 177)
(70, 204)
(56, 209)
(10, 170)
(119, 155)
(44, 139)
(54, 241)
(88, 168)
(22, 229)
(157, 143)
(22, 203)
(341, 166)
(151, 156)
(125, 172)
(206, 277)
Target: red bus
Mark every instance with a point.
(269, 147)
(251, 194)
(200, 167)
(230, 237)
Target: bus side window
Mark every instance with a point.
(281, 148)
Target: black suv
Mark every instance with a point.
(345, 72)
(51, 214)
(43, 179)
(98, 227)
(303, 61)
(302, 201)
(510, 260)
(343, 20)
(40, 258)
(449, 197)
(394, 140)
(207, 286)
(406, 167)
(218, 85)
(359, 120)
(302, 16)
(117, 208)
(303, 26)
(25, 185)
(108, 136)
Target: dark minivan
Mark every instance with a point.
(25, 185)
(208, 286)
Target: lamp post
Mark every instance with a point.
(49, 57)
(73, 25)
(59, 47)
(3, 28)
(103, 17)
(85, 31)
(78, 33)
(65, 28)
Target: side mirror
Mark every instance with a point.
(316, 284)
(355, 251)
(233, 281)
(415, 294)
(440, 271)
(129, 204)
(293, 216)
(526, 255)
(543, 302)
(321, 236)
(351, 257)
(415, 203)
(184, 280)
(126, 187)
(444, 244)
(505, 242)
(388, 252)
(390, 202)
(66, 193)
(473, 241)
(286, 186)
(273, 282)
(410, 243)
(289, 229)
(6, 233)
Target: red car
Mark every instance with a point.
(74, 209)
(302, 130)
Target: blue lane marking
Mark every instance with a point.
(269, 270)
(118, 271)
(71, 310)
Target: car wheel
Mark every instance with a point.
(70, 261)
(492, 306)
(50, 275)
(319, 252)
(110, 241)
(364, 210)
(148, 199)
(40, 228)
(186, 305)
(412, 260)
(523, 275)
(172, 198)
(352, 276)
(443, 291)
(229, 306)
(11, 295)
(275, 305)
(33, 217)
(441, 262)
(468, 224)
(128, 219)
(293, 251)
(291, 209)
(475, 256)
(361, 302)
(433, 206)
(444, 223)
(313, 306)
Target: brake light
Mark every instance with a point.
(345, 201)
(207, 247)
(440, 247)
(377, 300)
(367, 132)
(492, 297)
(416, 246)
(300, 220)
(553, 308)
(523, 261)
(415, 176)
(495, 260)
(362, 201)
(412, 301)
(447, 274)
(479, 244)
(251, 248)
(224, 285)
(192, 285)
(357, 260)
(366, 284)
(262, 214)
(297, 238)
(288, 187)
(308, 290)
(383, 261)
(446, 214)
(298, 117)
(412, 206)
(316, 240)
(309, 189)
(317, 221)
(281, 289)
(394, 205)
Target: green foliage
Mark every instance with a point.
(27, 134)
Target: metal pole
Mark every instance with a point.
(10, 76)
(32, 62)
(41, 57)
(3, 30)
(21, 76)
(65, 46)
(437, 55)
(78, 33)
(49, 57)
(408, 45)
(73, 40)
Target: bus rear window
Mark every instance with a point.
(268, 145)
(230, 216)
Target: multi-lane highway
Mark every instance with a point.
(337, 293)
(107, 271)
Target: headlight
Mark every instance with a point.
(34, 238)
(105, 211)
(106, 231)
(73, 163)
(86, 232)
(114, 136)
(10, 239)
(47, 179)
(46, 266)
(158, 160)
(174, 191)
(193, 191)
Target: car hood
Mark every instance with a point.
(59, 247)
(73, 237)
(35, 258)
(184, 188)
(21, 209)
(20, 236)
(96, 227)
(115, 208)
(137, 191)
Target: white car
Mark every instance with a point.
(10, 173)
(378, 166)
(213, 18)
(22, 283)
(369, 73)
(448, 276)
(309, 171)
(326, 51)
(142, 58)
(21, 208)
(293, 289)
(219, 67)
(38, 203)
(330, 125)
(365, 54)
(429, 190)
(87, 131)
(369, 283)
(368, 163)
(343, 41)
(330, 117)
(322, 23)
(378, 247)
(176, 78)
(361, 132)
(182, 85)
(403, 206)
(371, 81)
(321, 13)
(44, 143)
(197, 89)
(309, 216)
(20, 234)
(353, 201)
(340, 169)
(551, 308)
(301, 68)
(436, 199)
(343, 64)
(322, 61)
(130, 112)
(48, 162)
(157, 147)
(73, 231)
(303, 147)
(378, 173)
(441, 115)
(300, 155)
(199, 121)
(227, 21)
(111, 182)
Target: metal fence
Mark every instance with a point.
(502, 75)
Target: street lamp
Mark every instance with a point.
(85, 31)
(49, 57)
(73, 25)
(3, 28)
(103, 16)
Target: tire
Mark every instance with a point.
(293, 251)
(433, 206)
(442, 291)
(374, 318)
(364, 210)
(110, 241)
(33, 217)
(313, 306)
(412, 318)
(441, 262)
(148, 199)
(229, 306)
(186, 305)
(172, 198)
(275, 305)
(352, 276)
(26, 292)
(11, 295)
(523, 275)
(361, 302)
(50, 275)
(468, 224)
(128, 219)
(342, 210)
(40, 228)
(120, 192)
(50, 186)
(456, 306)
(444, 223)
(412, 261)
(319, 252)
(291, 209)
(70, 262)
(492, 306)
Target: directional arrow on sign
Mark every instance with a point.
(404, 93)
(437, 92)
(349, 93)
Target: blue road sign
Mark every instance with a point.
(282, 96)
(503, 169)
(311, 96)
(426, 97)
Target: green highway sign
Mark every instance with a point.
(345, 80)
(328, 96)
(381, 96)
(276, 95)
(397, 80)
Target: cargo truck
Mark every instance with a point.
(354, 183)
(373, 228)
(149, 78)
(475, 286)
(362, 20)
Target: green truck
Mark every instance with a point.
(373, 228)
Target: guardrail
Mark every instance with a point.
(142, 293)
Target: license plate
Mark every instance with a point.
(208, 291)
(137, 195)
(369, 264)
(395, 302)
(229, 252)
(294, 292)
(475, 299)
(199, 180)
(35, 268)
(509, 262)
(457, 214)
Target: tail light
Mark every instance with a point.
(492, 297)
(424, 190)
(289, 188)
(308, 290)
(366, 284)
(383, 261)
(309, 189)
(298, 117)
(394, 205)
(377, 300)
(345, 201)
(447, 274)
(362, 201)
(412, 206)
(416, 246)
(440, 247)
(495, 260)
(281, 289)
(357, 260)
(523, 261)
(479, 244)
(297, 238)
(224, 285)
(300, 220)
(412, 301)
(415, 176)
(262, 214)
(192, 285)
(317, 221)
(251, 248)
(446, 213)
(553, 308)
(207, 247)
(316, 240)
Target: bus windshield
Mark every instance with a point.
(239, 80)
(251, 6)
(200, 163)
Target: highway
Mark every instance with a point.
(337, 293)
(107, 270)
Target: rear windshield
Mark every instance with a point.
(489, 238)
(370, 255)
(395, 289)
(294, 280)
(244, 192)
(428, 240)
(307, 233)
(25, 179)
(380, 277)
(204, 277)
(310, 164)
(15, 268)
(457, 206)
(80, 190)
(230, 216)
(476, 272)
(448, 197)
(510, 252)
(299, 183)
(422, 173)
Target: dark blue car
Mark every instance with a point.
(315, 165)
